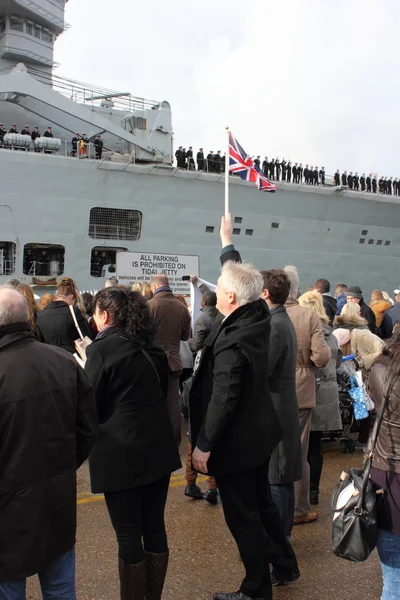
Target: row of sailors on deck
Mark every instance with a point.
(370, 184)
(214, 163)
(25, 131)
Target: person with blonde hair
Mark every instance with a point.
(45, 300)
(379, 306)
(55, 324)
(326, 414)
(26, 291)
(143, 288)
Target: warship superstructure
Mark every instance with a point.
(64, 214)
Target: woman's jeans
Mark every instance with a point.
(389, 554)
(137, 516)
(283, 498)
(57, 581)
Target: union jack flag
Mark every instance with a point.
(241, 164)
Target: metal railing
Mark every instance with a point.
(84, 93)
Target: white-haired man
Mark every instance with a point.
(312, 352)
(47, 429)
(234, 427)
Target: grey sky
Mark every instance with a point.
(316, 81)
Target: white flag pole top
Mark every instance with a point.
(227, 173)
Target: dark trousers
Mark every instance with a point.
(365, 428)
(185, 374)
(283, 498)
(137, 516)
(173, 404)
(254, 522)
(315, 458)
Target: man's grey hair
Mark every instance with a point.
(293, 276)
(244, 280)
(112, 282)
(12, 283)
(13, 307)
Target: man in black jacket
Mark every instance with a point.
(47, 430)
(98, 146)
(235, 428)
(210, 162)
(289, 172)
(265, 166)
(368, 182)
(324, 287)
(362, 182)
(354, 294)
(285, 466)
(200, 160)
(205, 321)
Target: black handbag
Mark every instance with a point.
(355, 505)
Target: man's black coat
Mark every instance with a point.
(285, 464)
(231, 409)
(330, 306)
(47, 429)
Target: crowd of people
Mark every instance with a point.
(257, 377)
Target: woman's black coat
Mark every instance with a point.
(135, 443)
(55, 326)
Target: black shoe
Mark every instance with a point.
(284, 578)
(193, 491)
(314, 495)
(234, 596)
(211, 496)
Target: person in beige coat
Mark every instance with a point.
(172, 322)
(312, 352)
(366, 347)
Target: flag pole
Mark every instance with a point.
(227, 173)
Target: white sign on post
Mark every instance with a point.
(140, 267)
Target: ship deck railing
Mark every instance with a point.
(88, 94)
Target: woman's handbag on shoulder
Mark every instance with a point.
(354, 504)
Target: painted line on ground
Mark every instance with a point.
(88, 498)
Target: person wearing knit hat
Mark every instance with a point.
(342, 336)
(354, 294)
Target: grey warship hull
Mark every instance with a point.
(343, 236)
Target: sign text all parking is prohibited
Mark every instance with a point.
(141, 267)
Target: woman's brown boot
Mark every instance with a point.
(133, 580)
(156, 568)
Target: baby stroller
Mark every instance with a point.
(343, 375)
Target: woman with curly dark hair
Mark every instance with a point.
(130, 375)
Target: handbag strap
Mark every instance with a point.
(147, 355)
(371, 449)
(73, 315)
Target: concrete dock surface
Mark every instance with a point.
(203, 555)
